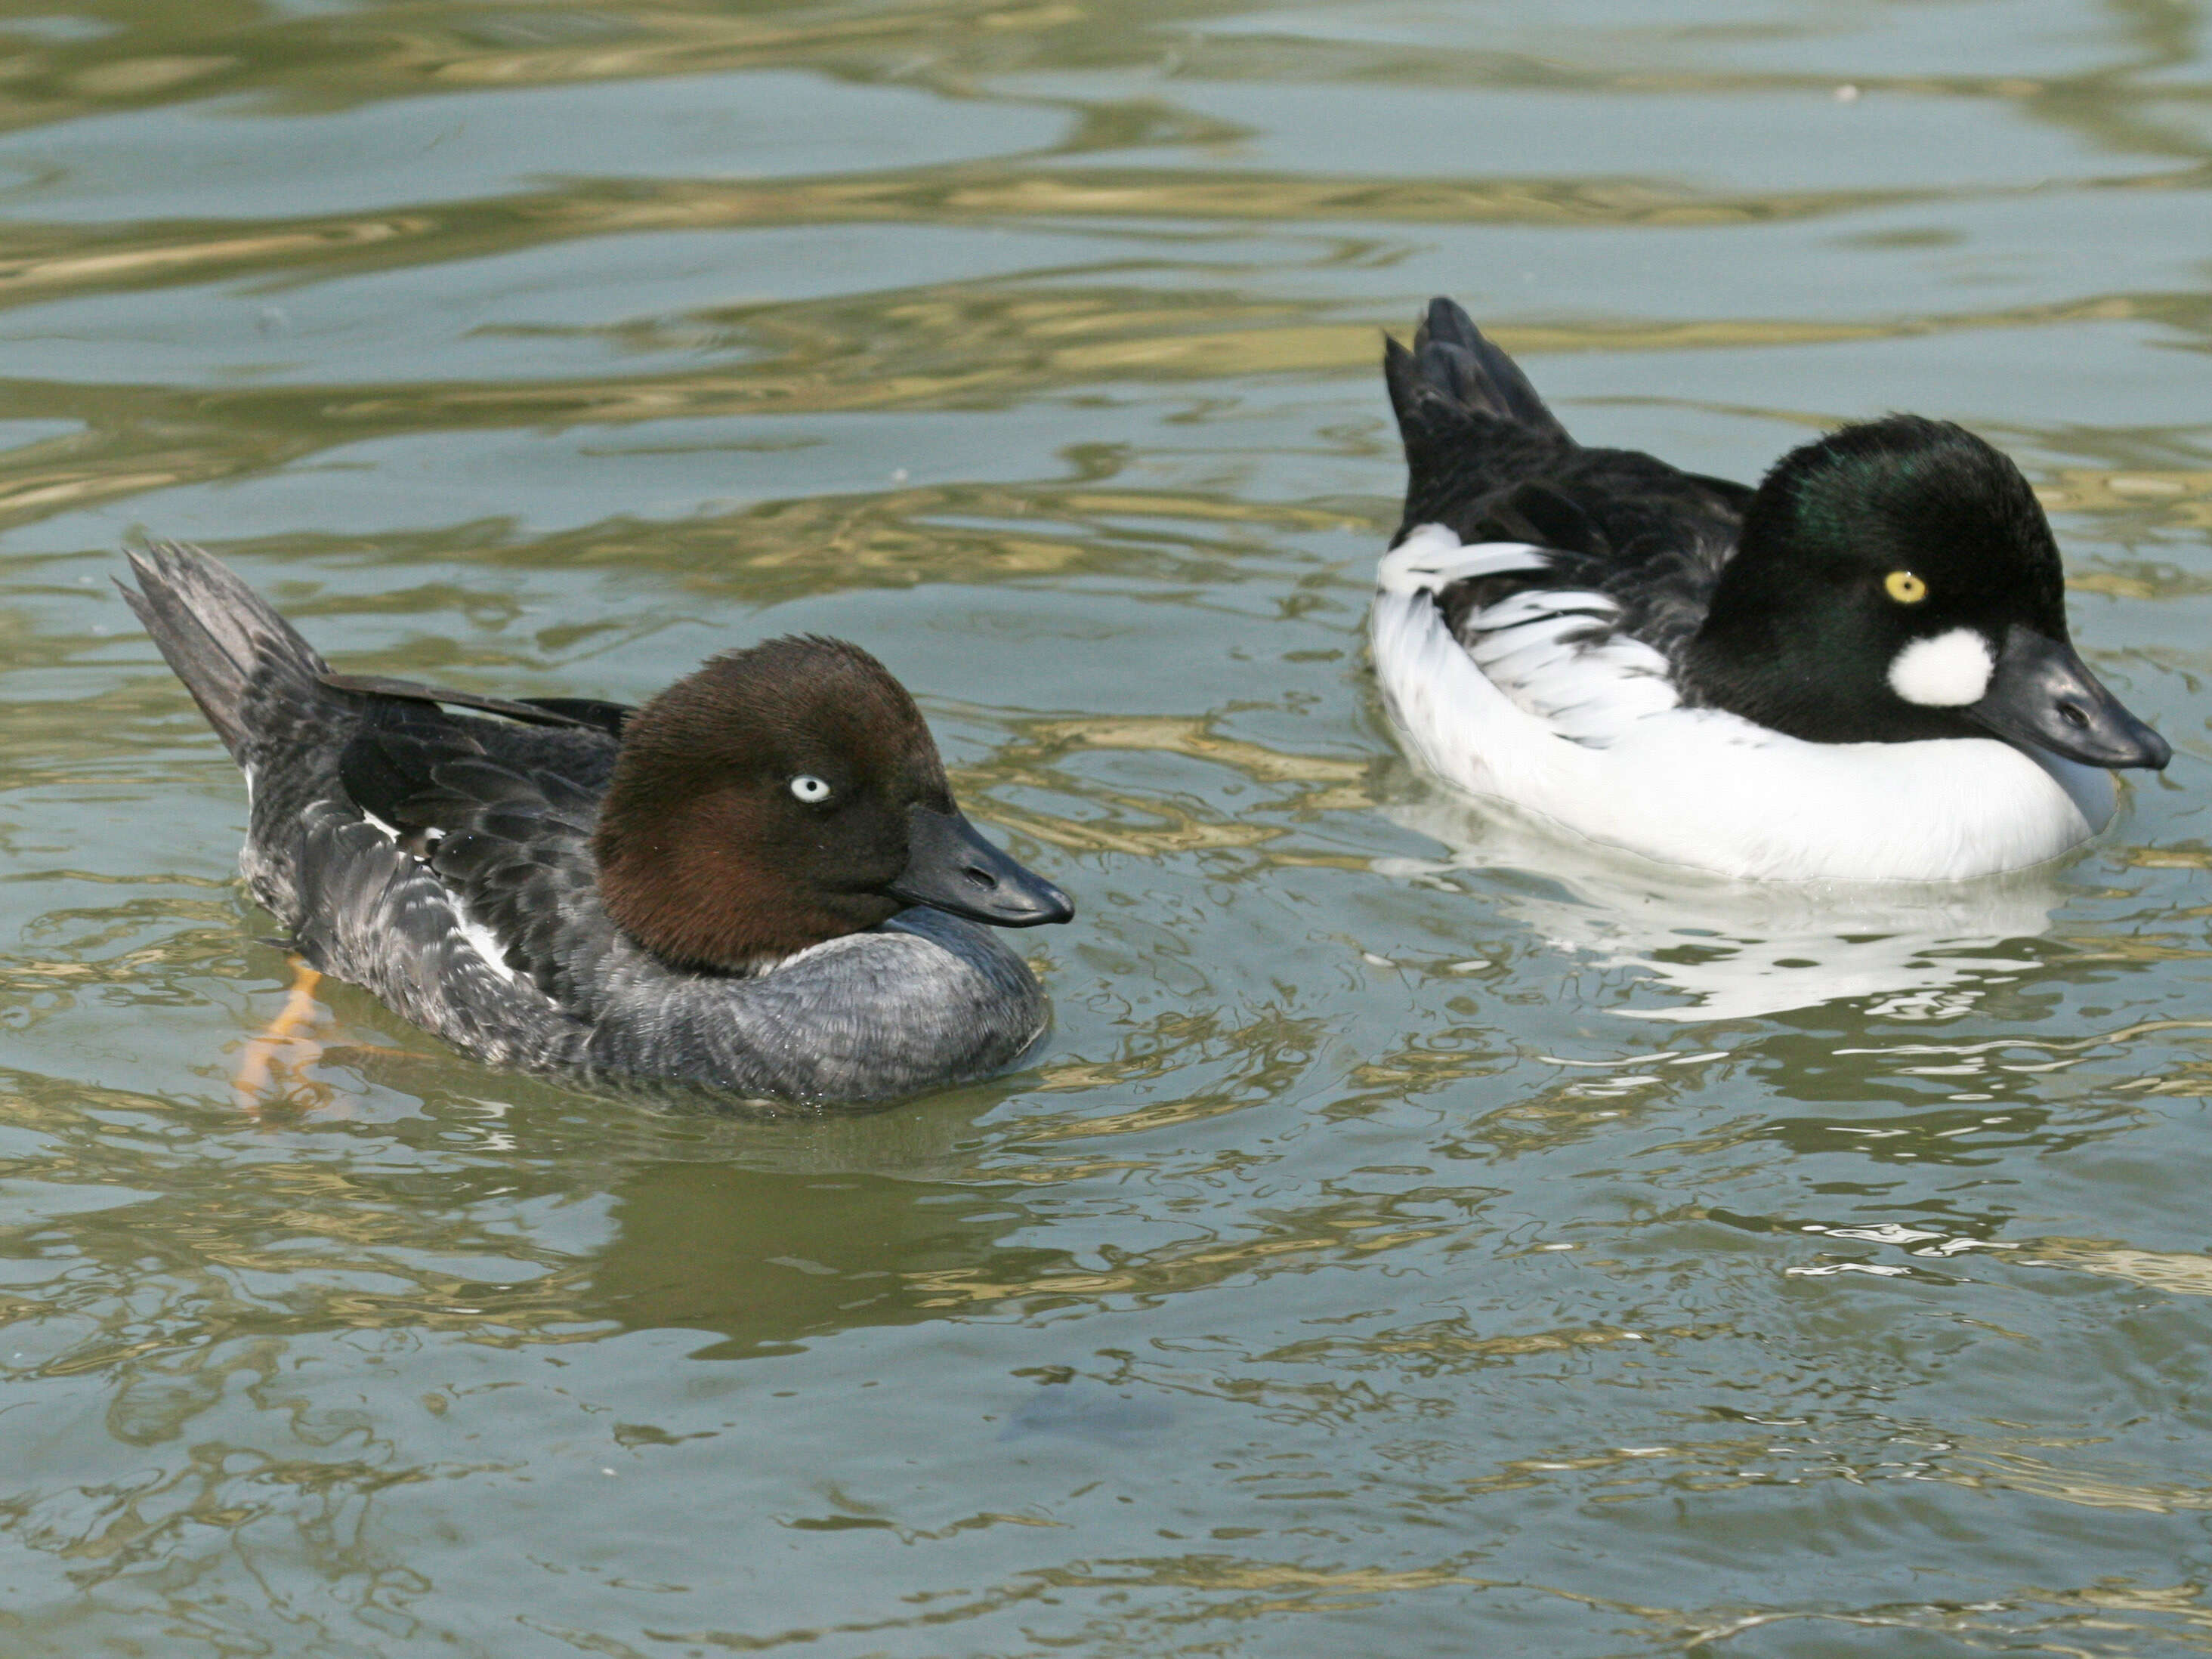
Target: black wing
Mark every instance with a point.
(1487, 460)
(1616, 522)
(587, 713)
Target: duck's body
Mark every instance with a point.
(1575, 632)
(463, 869)
(1520, 704)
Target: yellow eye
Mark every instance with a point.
(1904, 588)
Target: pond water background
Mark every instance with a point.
(1417, 1239)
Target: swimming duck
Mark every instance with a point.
(1859, 671)
(757, 884)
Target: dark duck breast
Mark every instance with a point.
(758, 884)
(1696, 671)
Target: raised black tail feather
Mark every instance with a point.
(1453, 358)
(1470, 421)
(1453, 377)
(220, 636)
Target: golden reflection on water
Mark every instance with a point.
(1344, 1211)
(827, 370)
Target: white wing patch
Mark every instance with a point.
(1433, 558)
(1552, 657)
(478, 938)
(1550, 650)
(486, 945)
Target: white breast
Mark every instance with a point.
(1593, 736)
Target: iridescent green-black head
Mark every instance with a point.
(1898, 580)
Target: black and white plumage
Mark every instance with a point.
(1859, 671)
(720, 889)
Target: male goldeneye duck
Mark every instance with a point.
(757, 884)
(1859, 671)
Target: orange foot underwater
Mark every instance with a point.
(271, 1072)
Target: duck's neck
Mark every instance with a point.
(678, 890)
(1766, 651)
(1757, 656)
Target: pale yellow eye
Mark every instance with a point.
(1904, 588)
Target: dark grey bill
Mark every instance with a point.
(2043, 694)
(949, 866)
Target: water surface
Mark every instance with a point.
(1418, 1237)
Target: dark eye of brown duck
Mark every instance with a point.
(811, 790)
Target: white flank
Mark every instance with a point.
(1946, 671)
(384, 829)
(1592, 737)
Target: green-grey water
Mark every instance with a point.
(1416, 1238)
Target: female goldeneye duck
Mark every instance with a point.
(1858, 672)
(757, 884)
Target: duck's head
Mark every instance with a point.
(786, 794)
(1898, 580)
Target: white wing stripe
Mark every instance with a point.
(485, 943)
(1433, 558)
(1523, 608)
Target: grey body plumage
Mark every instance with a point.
(463, 891)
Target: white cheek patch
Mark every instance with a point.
(1948, 672)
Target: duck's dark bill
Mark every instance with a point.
(949, 866)
(2043, 694)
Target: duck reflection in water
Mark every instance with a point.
(1739, 950)
(874, 1224)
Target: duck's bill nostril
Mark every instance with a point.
(952, 868)
(2044, 696)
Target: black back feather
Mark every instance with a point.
(589, 713)
(1486, 458)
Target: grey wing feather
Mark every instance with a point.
(377, 917)
(508, 835)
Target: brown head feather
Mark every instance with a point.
(708, 859)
